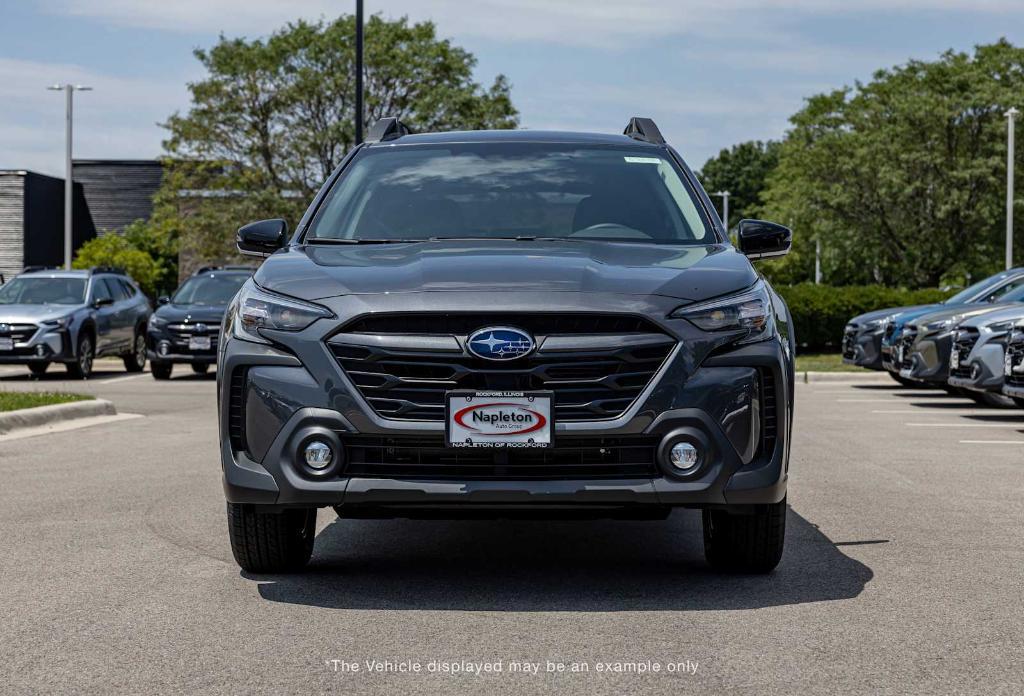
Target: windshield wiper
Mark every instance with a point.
(335, 240)
(518, 238)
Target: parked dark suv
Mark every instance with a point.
(72, 317)
(507, 323)
(186, 326)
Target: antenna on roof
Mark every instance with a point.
(640, 128)
(387, 128)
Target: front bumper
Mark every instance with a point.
(983, 369)
(863, 349)
(164, 347)
(929, 361)
(291, 393)
(44, 346)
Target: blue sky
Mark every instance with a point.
(711, 72)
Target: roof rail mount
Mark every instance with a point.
(645, 129)
(108, 269)
(387, 128)
(37, 269)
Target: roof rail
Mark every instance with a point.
(640, 128)
(37, 269)
(387, 128)
(207, 269)
(108, 269)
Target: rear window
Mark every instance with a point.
(499, 190)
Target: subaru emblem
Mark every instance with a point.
(500, 343)
(200, 328)
(5, 328)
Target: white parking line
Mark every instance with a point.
(121, 379)
(942, 412)
(964, 425)
(992, 442)
(867, 401)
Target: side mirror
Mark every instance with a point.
(163, 299)
(103, 302)
(262, 238)
(759, 239)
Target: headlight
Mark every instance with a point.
(941, 324)
(259, 309)
(748, 311)
(61, 323)
(156, 322)
(1001, 327)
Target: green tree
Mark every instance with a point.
(742, 170)
(902, 178)
(115, 250)
(273, 117)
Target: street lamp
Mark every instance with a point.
(359, 71)
(724, 195)
(68, 90)
(1011, 114)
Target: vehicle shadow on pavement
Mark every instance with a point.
(553, 566)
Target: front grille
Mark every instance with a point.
(404, 364)
(1015, 346)
(769, 412)
(181, 333)
(964, 343)
(19, 332)
(236, 409)
(849, 336)
(569, 459)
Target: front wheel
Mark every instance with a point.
(1019, 402)
(990, 399)
(906, 382)
(161, 370)
(38, 368)
(200, 368)
(136, 360)
(271, 542)
(745, 543)
(82, 367)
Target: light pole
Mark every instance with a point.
(1011, 114)
(69, 183)
(725, 207)
(359, 71)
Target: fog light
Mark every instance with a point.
(684, 456)
(318, 455)
(164, 348)
(40, 350)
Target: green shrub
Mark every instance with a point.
(114, 250)
(821, 311)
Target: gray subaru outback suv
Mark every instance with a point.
(501, 324)
(72, 317)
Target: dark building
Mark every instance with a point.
(32, 220)
(118, 191)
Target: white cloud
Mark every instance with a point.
(117, 119)
(558, 21)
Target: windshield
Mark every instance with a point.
(973, 291)
(42, 290)
(1016, 294)
(512, 190)
(213, 289)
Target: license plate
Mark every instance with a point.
(498, 419)
(199, 343)
(6, 344)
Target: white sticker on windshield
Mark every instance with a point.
(643, 160)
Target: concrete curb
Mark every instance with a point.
(862, 376)
(58, 413)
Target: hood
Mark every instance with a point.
(34, 313)
(958, 313)
(1007, 312)
(879, 314)
(210, 314)
(910, 315)
(683, 272)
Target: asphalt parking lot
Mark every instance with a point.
(903, 571)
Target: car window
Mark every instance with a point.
(209, 289)
(37, 290)
(117, 290)
(100, 290)
(127, 287)
(495, 190)
(1002, 292)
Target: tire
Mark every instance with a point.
(136, 360)
(38, 368)
(271, 542)
(989, 399)
(161, 370)
(745, 543)
(903, 381)
(1019, 402)
(200, 368)
(957, 391)
(85, 353)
